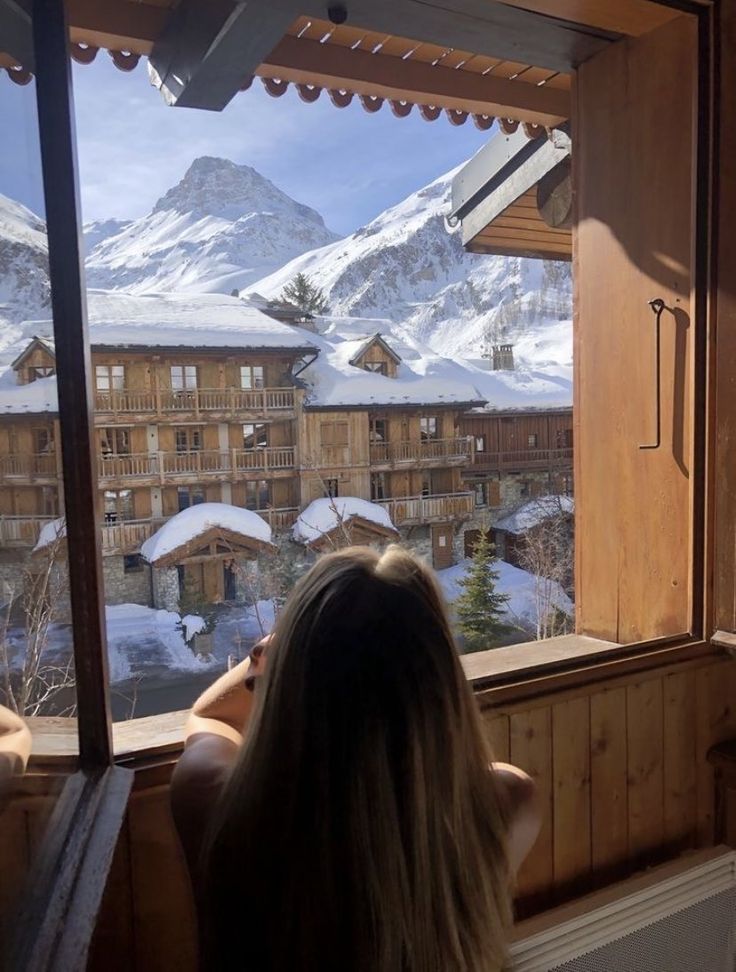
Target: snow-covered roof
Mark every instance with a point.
(184, 320)
(534, 512)
(31, 399)
(324, 515)
(198, 520)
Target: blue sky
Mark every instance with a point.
(347, 164)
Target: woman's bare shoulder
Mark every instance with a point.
(518, 793)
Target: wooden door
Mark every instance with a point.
(441, 546)
(213, 579)
(635, 126)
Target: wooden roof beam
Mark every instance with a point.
(207, 50)
(481, 26)
(330, 66)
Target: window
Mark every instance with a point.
(334, 433)
(332, 488)
(480, 443)
(115, 442)
(426, 484)
(564, 438)
(49, 501)
(257, 494)
(188, 439)
(183, 377)
(378, 486)
(109, 377)
(255, 435)
(531, 440)
(481, 496)
(39, 371)
(378, 367)
(132, 564)
(118, 505)
(251, 376)
(428, 427)
(524, 490)
(43, 440)
(378, 431)
(189, 496)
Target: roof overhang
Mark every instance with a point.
(497, 197)
(360, 531)
(200, 350)
(198, 549)
(376, 339)
(34, 344)
(394, 406)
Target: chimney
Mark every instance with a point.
(503, 357)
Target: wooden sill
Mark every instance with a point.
(508, 675)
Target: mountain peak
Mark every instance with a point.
(219, 187)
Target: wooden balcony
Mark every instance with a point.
(417, 510)
(228, 465)
(457, 451)
(21, 531)
(239, 403)
(522, 459)
(26, 469)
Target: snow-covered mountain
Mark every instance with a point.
(221, 228)
(24, 275)
(408, 266)
(100, 230)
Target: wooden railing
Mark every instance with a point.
(259, 400)
(128, 535)
(405, 510)
(523, 459)
(457, 448)
(199, 462)
(28, 467)
(280, 518)
(21, 531)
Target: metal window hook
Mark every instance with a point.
(657, 305)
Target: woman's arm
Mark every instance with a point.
(15, 746)
(518, 793)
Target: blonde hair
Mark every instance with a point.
(360, 829)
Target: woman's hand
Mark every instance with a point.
(257, 661)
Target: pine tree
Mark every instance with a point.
(305, 295)
(480, 607)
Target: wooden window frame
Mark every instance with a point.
(106, 372)
(252, 384)
(186, 376)
(376, 367)
(190, 491)
(260, 485)
(259, 428)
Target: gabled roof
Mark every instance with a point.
(334, 520)
(374, 339)
(534, 512)
(184, 535)
(45, 344)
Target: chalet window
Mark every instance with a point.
(115, 442)
(257, 494)
(481, 494)
(333, 433)
(39, 371)
(255, 435)
(332, 488)
(378, 431)
(12, 440)
(118, 505)
(189, 496)
(378, 367)
(480, 443)
(427, 484)
(524, 489)
(183, 377)
(564, 438)
(43, 440)
(378, 486)
(428, 426)
(188, 439)
(109, 377)
(132, 564)
(49, 501)
(251, 376)
(531, 440)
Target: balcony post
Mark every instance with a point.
(160, 462)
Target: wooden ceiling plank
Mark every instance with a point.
(116, 25)
(494, 29)
(391, 77)
(632, 17)
(511, 250)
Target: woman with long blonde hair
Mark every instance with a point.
(358, 826)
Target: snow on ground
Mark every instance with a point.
(195, 520)
(521, 609)
(534, 512)
(324, 515)
(140, 638)
(192, 625)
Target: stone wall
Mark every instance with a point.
(126, 587)
(165, 588)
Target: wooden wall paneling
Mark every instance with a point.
(644, 734)
(571, 794)
(531, 749)
(15, 856)
(113, 944)
(165, 921)
(608, 782)
(680, 771)
(715, 689)
(498, 729)
(631, 244)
